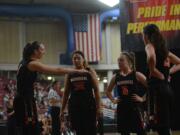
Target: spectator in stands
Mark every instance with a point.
(10, 117)
(54, 98)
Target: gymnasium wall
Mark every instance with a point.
(15, 34)
(9, 42)
(113, 30)
(53, 35)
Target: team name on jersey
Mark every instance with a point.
(79, 78)
(126, 82)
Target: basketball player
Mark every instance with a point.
(82, 94)
(129, 116)
(158, 61)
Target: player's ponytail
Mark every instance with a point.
(29, 49)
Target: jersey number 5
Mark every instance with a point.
(125, 91)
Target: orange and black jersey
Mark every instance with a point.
(126, 86)
(81, 90)
(25, 80)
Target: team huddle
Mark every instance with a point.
(81, 93)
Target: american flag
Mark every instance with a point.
(87, 33)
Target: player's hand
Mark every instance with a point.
(162, 77)
(62, 117)
(115, 101)
(137, 98)
(99, 113)
(63, 127)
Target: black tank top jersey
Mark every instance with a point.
(161, 65)
(126, 86)
(81, 90)
(25, 80)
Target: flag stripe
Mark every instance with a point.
(91, 27)
(82, 36)
(94, 39)
(98, 36)
(85, 45)
(81, 44)
(77, 41)
(95, 33)
(89, 37)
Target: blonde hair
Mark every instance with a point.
(131, 59)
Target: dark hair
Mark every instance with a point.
(54, 83)
(85, 64)
(29, 49)
(131, 59)
(155, 37)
